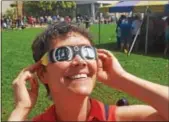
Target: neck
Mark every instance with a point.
(72, 108)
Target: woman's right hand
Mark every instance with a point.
(109, 69)
(26, 98)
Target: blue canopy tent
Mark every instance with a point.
(138, 6)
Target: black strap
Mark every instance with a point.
(106, 107)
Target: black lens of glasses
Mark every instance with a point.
(88, 52)
(62, 54)
(67, 53)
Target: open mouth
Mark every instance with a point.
(78, 76)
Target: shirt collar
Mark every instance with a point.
(96, 111)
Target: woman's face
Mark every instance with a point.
(75, 76)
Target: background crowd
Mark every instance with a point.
(30, 21)
(130, 27)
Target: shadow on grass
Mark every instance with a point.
(151, 52)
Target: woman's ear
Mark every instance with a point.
(41, 72)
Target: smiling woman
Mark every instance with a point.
(68, 65)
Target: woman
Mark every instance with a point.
(68, 65)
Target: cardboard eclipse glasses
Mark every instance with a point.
(67, 53)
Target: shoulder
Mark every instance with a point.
(98, 104)
(137, 113)
(48, 115)
(102, 111)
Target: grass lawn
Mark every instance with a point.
(16, 54)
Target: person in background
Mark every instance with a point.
(25, 21)
(67, 19)
(87, 22)
(8, 22)
(118, 31)
(45, 19)
(34, 21)
(37, 20)
(61, 19)
(1, 23)
(4, 25)
(54, 18)
(41, 20)
(136, 24)
(13, 24)
(78, 20)
(18, 22)
(126, 29)
(166, 36)
(30, 20)
(49, 20)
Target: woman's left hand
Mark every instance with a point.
(109, 69)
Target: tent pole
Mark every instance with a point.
(116, 17)
(99, 26)
(147, 25)
(135, 38)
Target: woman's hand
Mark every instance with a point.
(112, 74)
(109, 69)
(26, 98)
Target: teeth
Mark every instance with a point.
(79, 76)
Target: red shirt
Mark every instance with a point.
(97, 113)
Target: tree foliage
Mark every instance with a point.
(10, 13)
(38, 8)
(13, 5)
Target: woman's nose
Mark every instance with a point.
(78, 61)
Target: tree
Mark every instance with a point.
(11, 13)
(43, 8)
(13, 5)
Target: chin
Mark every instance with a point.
(83, 86)
(84, 90)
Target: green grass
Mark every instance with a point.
(107, 33)
(16, 54)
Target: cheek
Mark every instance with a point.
(93, 67)
(55, 76)
(93, 70)
(56, 71)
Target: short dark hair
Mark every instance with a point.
(43, 41)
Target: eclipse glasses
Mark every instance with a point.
(67, 53)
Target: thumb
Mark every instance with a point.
(34, 84)
(99, 64)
